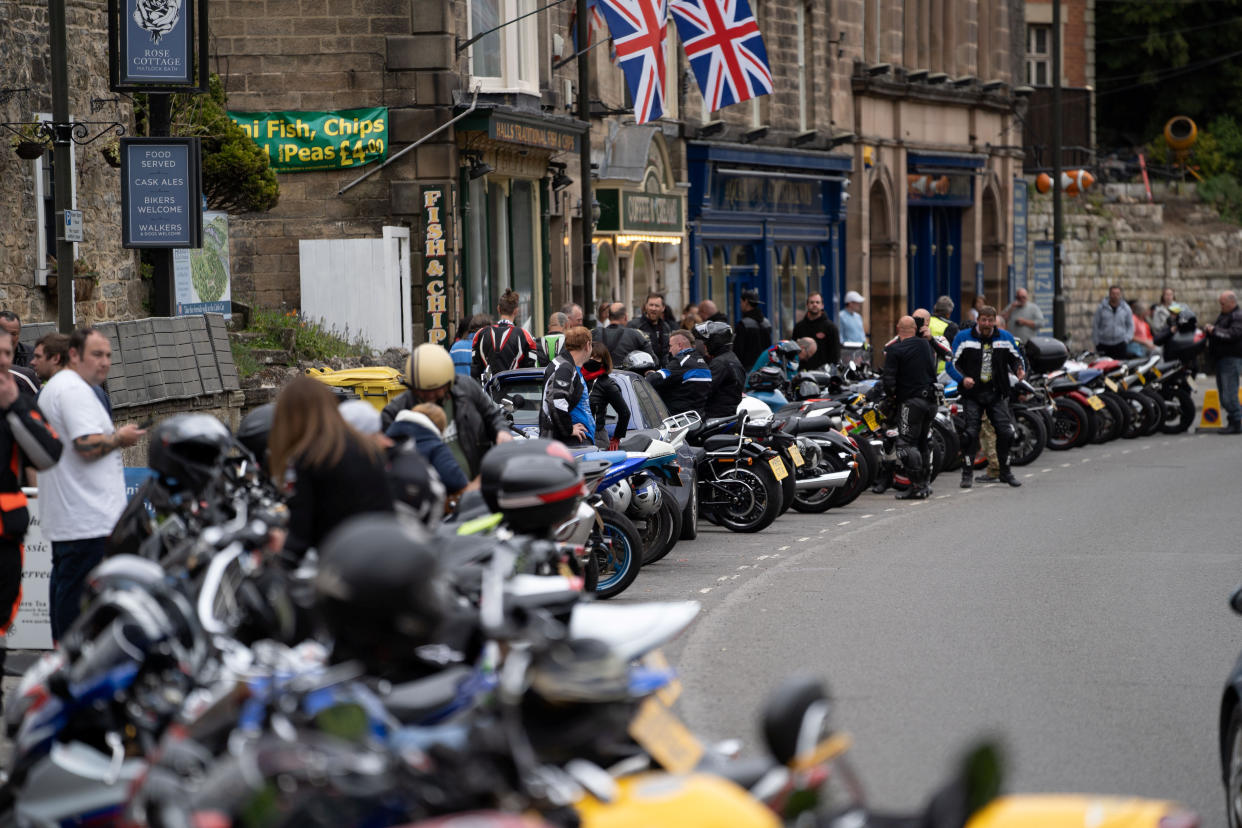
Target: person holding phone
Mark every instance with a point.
(81, 497)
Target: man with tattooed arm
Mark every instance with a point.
(81, 497)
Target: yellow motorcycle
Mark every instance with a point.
(808, 781)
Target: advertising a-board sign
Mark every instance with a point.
(161, 191)
(157, 45)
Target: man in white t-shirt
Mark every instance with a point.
(81, 497)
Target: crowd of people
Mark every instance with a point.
(335, 461)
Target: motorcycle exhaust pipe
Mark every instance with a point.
(832, 480)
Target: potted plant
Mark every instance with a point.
(111, 151)
(29, 142)
(84, 281)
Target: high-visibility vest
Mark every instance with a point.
(938, 327)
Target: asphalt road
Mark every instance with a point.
(1082, 619)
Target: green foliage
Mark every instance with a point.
(1159, 58)
(236, 175)
(1224, 193)
(305, 340)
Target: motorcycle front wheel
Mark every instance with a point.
(1071, 425)
(1031, 440)
(1179, 412)
(618, 552)
(743, 498)
(662, 530)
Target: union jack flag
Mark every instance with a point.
(725, 48)
(638, 30)
(595, 21)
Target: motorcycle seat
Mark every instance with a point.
(745, 772)
(706, 428)
(1064, 384)
(720, 442)
(636, 442)
(413, 701)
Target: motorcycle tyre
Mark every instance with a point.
(868, 470)
(872, 457)
(1031, 424)
(1142, 411)
(951, 457)
(690, 515)
(813, 502)
(669, 517)
(623, 529)
(1155, 396)
(1083, 424)
(757, 473)
(1186, 413)
(1109, 421)
(1233, 798)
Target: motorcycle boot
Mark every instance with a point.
(1006, 476)
(968, 471)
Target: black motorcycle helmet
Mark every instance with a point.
(767, 378)
(254, 430)
(717, 336)
(187, 451)
(640, 362)
(1187, 322)
(537, 484)
(377, 591)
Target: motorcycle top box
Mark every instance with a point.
(536, 483)
(1045, 354)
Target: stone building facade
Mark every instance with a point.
(833, 182)
(27, 246)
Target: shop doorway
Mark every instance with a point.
(887, 300)
(743, 274)
(935, 256)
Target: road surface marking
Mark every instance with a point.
(1029, 474)
(723, 578)
(1085, 460)
(867, 516)
(891, 509)
(705, 591)
(803, 540)
(763, 557)
(1065, 465)
(822, 531)
(745, 566)
(942, 497)
(1042, 471)
(1126, 451)
(783, 548)
(843, 523)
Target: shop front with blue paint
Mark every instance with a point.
(940, 190)
(771, 220)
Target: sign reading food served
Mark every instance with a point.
(160, 192)
(305, 141)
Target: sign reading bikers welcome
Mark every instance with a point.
(304, 141)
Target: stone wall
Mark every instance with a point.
(226, 407)
(1144, 248)
(24, 64)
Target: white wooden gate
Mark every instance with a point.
(360, 286)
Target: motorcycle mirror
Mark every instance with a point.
(1235, 601)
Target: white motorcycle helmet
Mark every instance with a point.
(757, 409)
(646, 500)
(621, 495)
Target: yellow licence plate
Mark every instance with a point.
(872, 421)
(1110, 385)
(778, 468)
(1095, 402)
(665, 738)
(796, 456)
